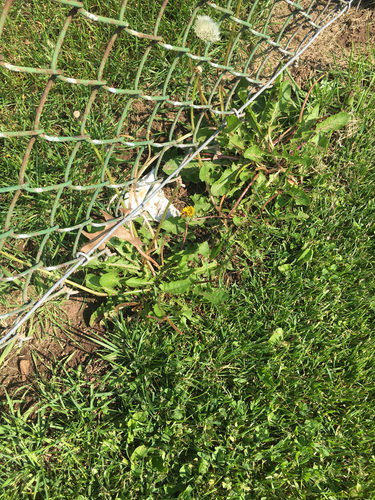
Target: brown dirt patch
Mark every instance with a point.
(332, 47)
(59, 334)
(355, 29)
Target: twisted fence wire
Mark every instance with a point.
(257, 54)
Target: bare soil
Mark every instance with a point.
(60, 335)
(356, 30)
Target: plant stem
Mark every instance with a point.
(242, 195)
(163, 218)
(221, 87)
(186, 230)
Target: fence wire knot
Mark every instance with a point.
(80, 255)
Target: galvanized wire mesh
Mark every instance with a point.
(127, 114)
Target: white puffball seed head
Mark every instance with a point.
(206, 29)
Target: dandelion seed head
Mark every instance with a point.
(206, 29)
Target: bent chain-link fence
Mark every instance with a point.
(134, 100)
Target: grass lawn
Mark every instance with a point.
(267, 396)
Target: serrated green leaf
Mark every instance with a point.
(109, 281)
(204, 173)
(285, 96)
(93, 316)
(140, 416)
(281, 200)
(190, 173)
(171, 165)
(334, 122)
(306, 256)
(158, 462)
(216, 250)
(254, 153)
(203, 134)
(174, 225)
(203, 249)
(158, 312)
(232, 124)
(299, 196)
(138, 282)
(221, 186)
(93, 281)
(253, 122)
(271, 111)
(202, 270)
(185, 471)
(174, 287)
(285, 268)
(302, 216)
(188, 313)
(238, 221)
(237, 141)
(120, 263)
(201, 208)
(216, 298)
(245, 175)
(308, 120)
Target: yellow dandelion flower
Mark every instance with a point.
(189, 211)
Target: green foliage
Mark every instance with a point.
(265, 162)
(274, 138)
(184, 274)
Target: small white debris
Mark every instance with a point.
(157, 205)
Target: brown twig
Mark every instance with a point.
(212, 217)
(265, 204)
(212, 199)
(162, 253)
(166, 318)
(147, 257)
(173, 325)
(242, 195)
(186, 230)
(221, 202)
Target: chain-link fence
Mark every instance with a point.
(102, 99)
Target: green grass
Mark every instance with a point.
(269, 396)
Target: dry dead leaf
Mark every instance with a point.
(120, 232)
